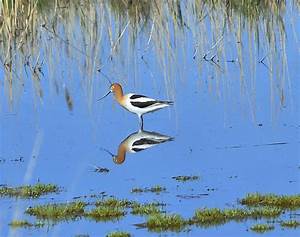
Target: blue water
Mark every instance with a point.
(231, 134)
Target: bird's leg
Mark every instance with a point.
(141, 121)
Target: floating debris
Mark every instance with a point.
(154, 189)
(192, 196)
(99, 169)
(29, 191)
(184, 178)
(58, 212)
(261, 228)
(20, 159)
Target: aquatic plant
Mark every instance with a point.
(32, 31)
(261, 228)
(25, 224)
(104, 213)
(29, 191)
(58, 212)
(118, 234)
(145, 209)
(115, 203)
(216, 216)
(290, 224)
(184, 178)
(272, 200)
(164, 222)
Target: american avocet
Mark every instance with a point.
(138, 141)
(135, 103)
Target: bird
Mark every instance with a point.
(135, 103)
(138, 141)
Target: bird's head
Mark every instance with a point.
(115, 88)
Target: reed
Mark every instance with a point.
(47, 39)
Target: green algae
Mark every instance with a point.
(146, 209)
(25, 224)
(58, 212)
(262, 228)
(154, 189)
(290, 224)
(29, 191)
(216, 216)
(290, 202)
(118, 234)
(184, 178)
(104, 213)
(165, 222)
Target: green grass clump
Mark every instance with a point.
(216, 216)
(154, 189)
(145, 209)
(164, 222)
(281, 201)
(25, 224)
(261, 228)
(184, 178)
(58, 212)
(103, 213)
(115, 203)
(290, 224)
(118, 234)
(29, 191)
(211, 216)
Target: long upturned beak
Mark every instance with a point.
(104, 95)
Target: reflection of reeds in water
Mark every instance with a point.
(56, 36)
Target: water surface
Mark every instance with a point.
(231, 70)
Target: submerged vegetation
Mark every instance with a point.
(29, 191)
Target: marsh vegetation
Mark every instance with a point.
(157, 219)
(33, 33)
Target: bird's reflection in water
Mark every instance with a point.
(138, 141)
